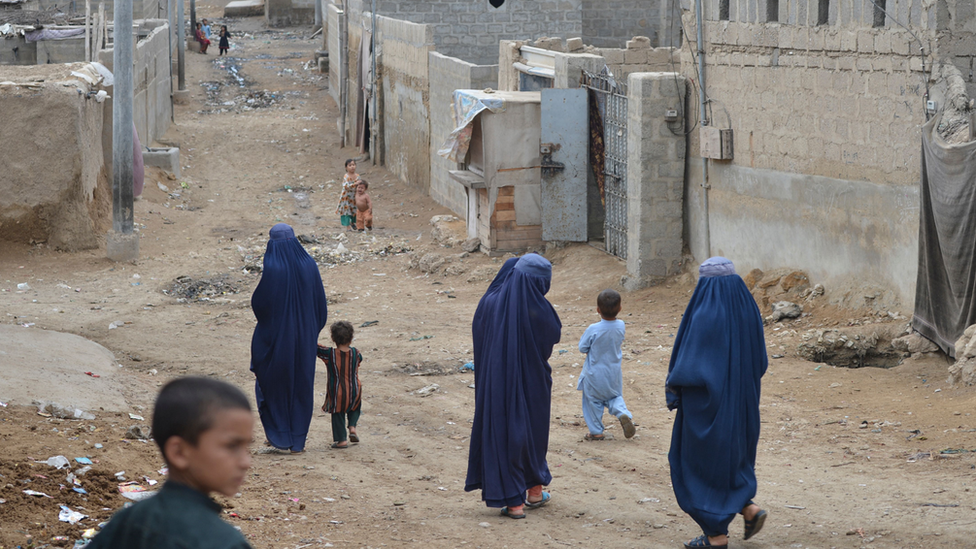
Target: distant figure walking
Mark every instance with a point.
(344, 393)
(224, 40)
(346, 209)
(713, 382)
(514, 330)
(290, 306)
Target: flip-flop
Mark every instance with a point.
(594, 438)
(628, 425)
(755, 525)
(274, 450)
(505, 513)
(546, 496)
(353, 437)
(702, 541)
(337, 447)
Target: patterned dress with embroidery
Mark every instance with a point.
(347, 200)
(344, 392)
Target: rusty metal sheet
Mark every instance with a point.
(565, 133)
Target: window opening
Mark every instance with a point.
(772, 11)
(823, 12)
(723, 10)
(879, 13)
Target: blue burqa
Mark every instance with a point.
(718, 360)
(514, 330)
(290, 307)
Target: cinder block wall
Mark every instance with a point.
(610, 23)
(403, 49)
(141, 9)
(827, 123)
(283, 13)
(655, 179)
(446, 75)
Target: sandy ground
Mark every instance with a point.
(838, 466)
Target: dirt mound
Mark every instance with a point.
(855, 347)
(102, 498)
(205, 289)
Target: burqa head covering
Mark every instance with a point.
(514, 330)
(713, 381)
(290, 306)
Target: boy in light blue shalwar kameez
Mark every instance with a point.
(601, 380)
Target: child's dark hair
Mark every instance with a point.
(608, 302)
(341, 332)
(364, 183)
(349, 161)
(186, 408)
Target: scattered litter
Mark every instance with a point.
(428, 390)
(58, 461)
(134, 491)
(92, 374)
(649, 500)
(69, 516)
(81, 472)
(33, 493)
(369, 323)
(467, 366)
(80, 490)
(797, 507)
(98, 445)
(23, 286)
(136, 417)
(88, 534)
(421, 338)
(50, 409)
(137, 432)
(83, 461)
(150, 481)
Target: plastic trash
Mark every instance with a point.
(81, 472)
(83, 461)
(69, 516)
(467, 367)
(33, 493)
(58, 461)
(23, 286)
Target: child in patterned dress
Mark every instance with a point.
(346, 210)
(343, 398)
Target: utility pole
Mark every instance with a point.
(193, 17)
(123, 243)
(181, 46)
(318, 14)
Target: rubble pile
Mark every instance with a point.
(964, 369)
(855, 347)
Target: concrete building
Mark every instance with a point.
(826, 101)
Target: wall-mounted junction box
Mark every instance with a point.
(716, 143)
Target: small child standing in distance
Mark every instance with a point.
(343, 397)
(224, 39)
(602, 380)
(204, 429)
(364, 207)
(346, 210)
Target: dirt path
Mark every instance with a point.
(826, 480)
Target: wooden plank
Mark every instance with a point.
(505, 206)
(88, 33)
(505, 215)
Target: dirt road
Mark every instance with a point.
(840, 463)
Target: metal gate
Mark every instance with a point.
(612, 102)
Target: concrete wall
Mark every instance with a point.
(403, 56)
(61, 51)
(141, 9)
(284, 13)
(827, 122)
(55, 187)
(17, 51)
(610, 23)
(470, 29)
(152, 102)
(655, 179)
(448, 74)
(638, 55)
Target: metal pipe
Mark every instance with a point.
(373, 153)
(193, 17)
(170, 15)
(343, 77)
(181, 45)
(704, 121)
(318, 14)
(122, 142)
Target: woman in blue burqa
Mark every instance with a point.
(514, 330)
(290, 307)
(718, 360)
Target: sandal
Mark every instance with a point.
(755, 525)
(628, 425)
(546, 496)
(337, 447)
(702, 541)
(274, 450)
(592, 437)
(353, 437)
(505, 513)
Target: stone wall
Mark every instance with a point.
(610, 23)
(655, 178)
(638, 55)
(403, 49)
(449, 74)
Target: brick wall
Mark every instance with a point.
(448, 74)
(610, 23)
